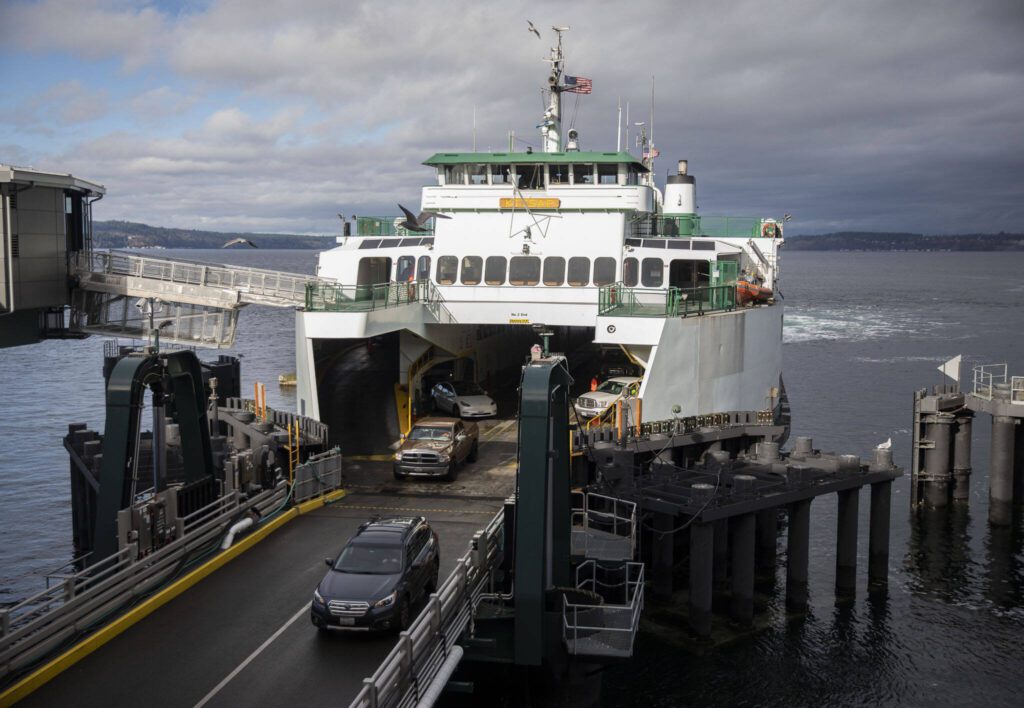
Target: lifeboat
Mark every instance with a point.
(748, 293)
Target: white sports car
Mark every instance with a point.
(463, 399)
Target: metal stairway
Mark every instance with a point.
(190, 303)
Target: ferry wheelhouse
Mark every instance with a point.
(582, 242)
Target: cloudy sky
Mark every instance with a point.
(272, 117)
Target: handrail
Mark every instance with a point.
(405, 673)
(687, 225)
(619, 300)
(337, 297)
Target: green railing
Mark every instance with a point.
(694, 225)
(388, 226)
(324, 297)
(620, 301)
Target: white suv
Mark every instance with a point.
(590, 404)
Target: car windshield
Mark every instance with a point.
(613, 387)
(468, 388)
(370, 560)
(425, 433)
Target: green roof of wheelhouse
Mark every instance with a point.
(521, 158)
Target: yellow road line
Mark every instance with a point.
(87, 646)
(422, 511)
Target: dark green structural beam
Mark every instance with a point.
(543, 513)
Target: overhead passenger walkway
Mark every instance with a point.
(123, 294)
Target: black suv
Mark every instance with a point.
(378, 577)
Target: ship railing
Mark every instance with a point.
(329, 297)
(608, 625)
(254, 285)
(389, 226)
(655, 226)
(82, 601)
(986, 377)
(618, 300)
(603, 527)
(407, 672)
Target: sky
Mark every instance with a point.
(231, 115)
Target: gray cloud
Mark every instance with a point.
(872, 115)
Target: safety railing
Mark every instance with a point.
(318, 475)
(254, 285)
(388, 226)
(81, 601)
(708, 226)
(986, 376)
(409, 670)
(610, 627)
(617, 300)
(324, 297)
(603, 527)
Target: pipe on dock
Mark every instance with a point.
(444, 673)
(878, 538)
(846, 543)
(743, 530)
(939, 430)
(236, 529)
(1001, 482)
(798, 555)
(962, 457)
(702, 543)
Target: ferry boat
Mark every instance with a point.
(582, 243)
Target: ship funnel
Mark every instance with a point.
(681, 192)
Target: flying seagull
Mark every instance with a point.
(533, 29)
(239, 241)
(886, 445)
(417, 223)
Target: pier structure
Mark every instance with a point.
(714, 498)
(942, 432)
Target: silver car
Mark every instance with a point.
(590, 404)
(463, 399)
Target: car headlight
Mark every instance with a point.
(398, 456)
(386, 601)
(464, 404)
(318, 598)
(441, 457)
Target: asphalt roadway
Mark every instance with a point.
(242, 636)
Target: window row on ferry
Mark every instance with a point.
(539, 176)
(552, 271)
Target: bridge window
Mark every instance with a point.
(423, 268)
(447, 269)
(524, 270)
(494, 270)
(632, 175)
(604, 271)
(630, 272)
(652, 272)
(501, 174)
(472, 266)
(477, 174)
(530, 176)
(579, 271)
(582, 174)
(607, 174)
(558, 174)
(554, 270)
(405, 268)
(455, 174)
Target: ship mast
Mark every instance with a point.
(551, 125)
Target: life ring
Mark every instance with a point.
(769, 229)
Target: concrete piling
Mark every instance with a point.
(939, 430)
(721, 562)
(1001, 482)
(662, 554)
(798, 555)
(962, 456)
(1018, 464)
(743, 529)
(878, 539)
(846, 544)
(767, 537)
(702, 542)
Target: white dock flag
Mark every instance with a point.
(952, 368)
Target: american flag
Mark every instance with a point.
(577, 84)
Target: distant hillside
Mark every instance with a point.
(860, 241)
(128, 234)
